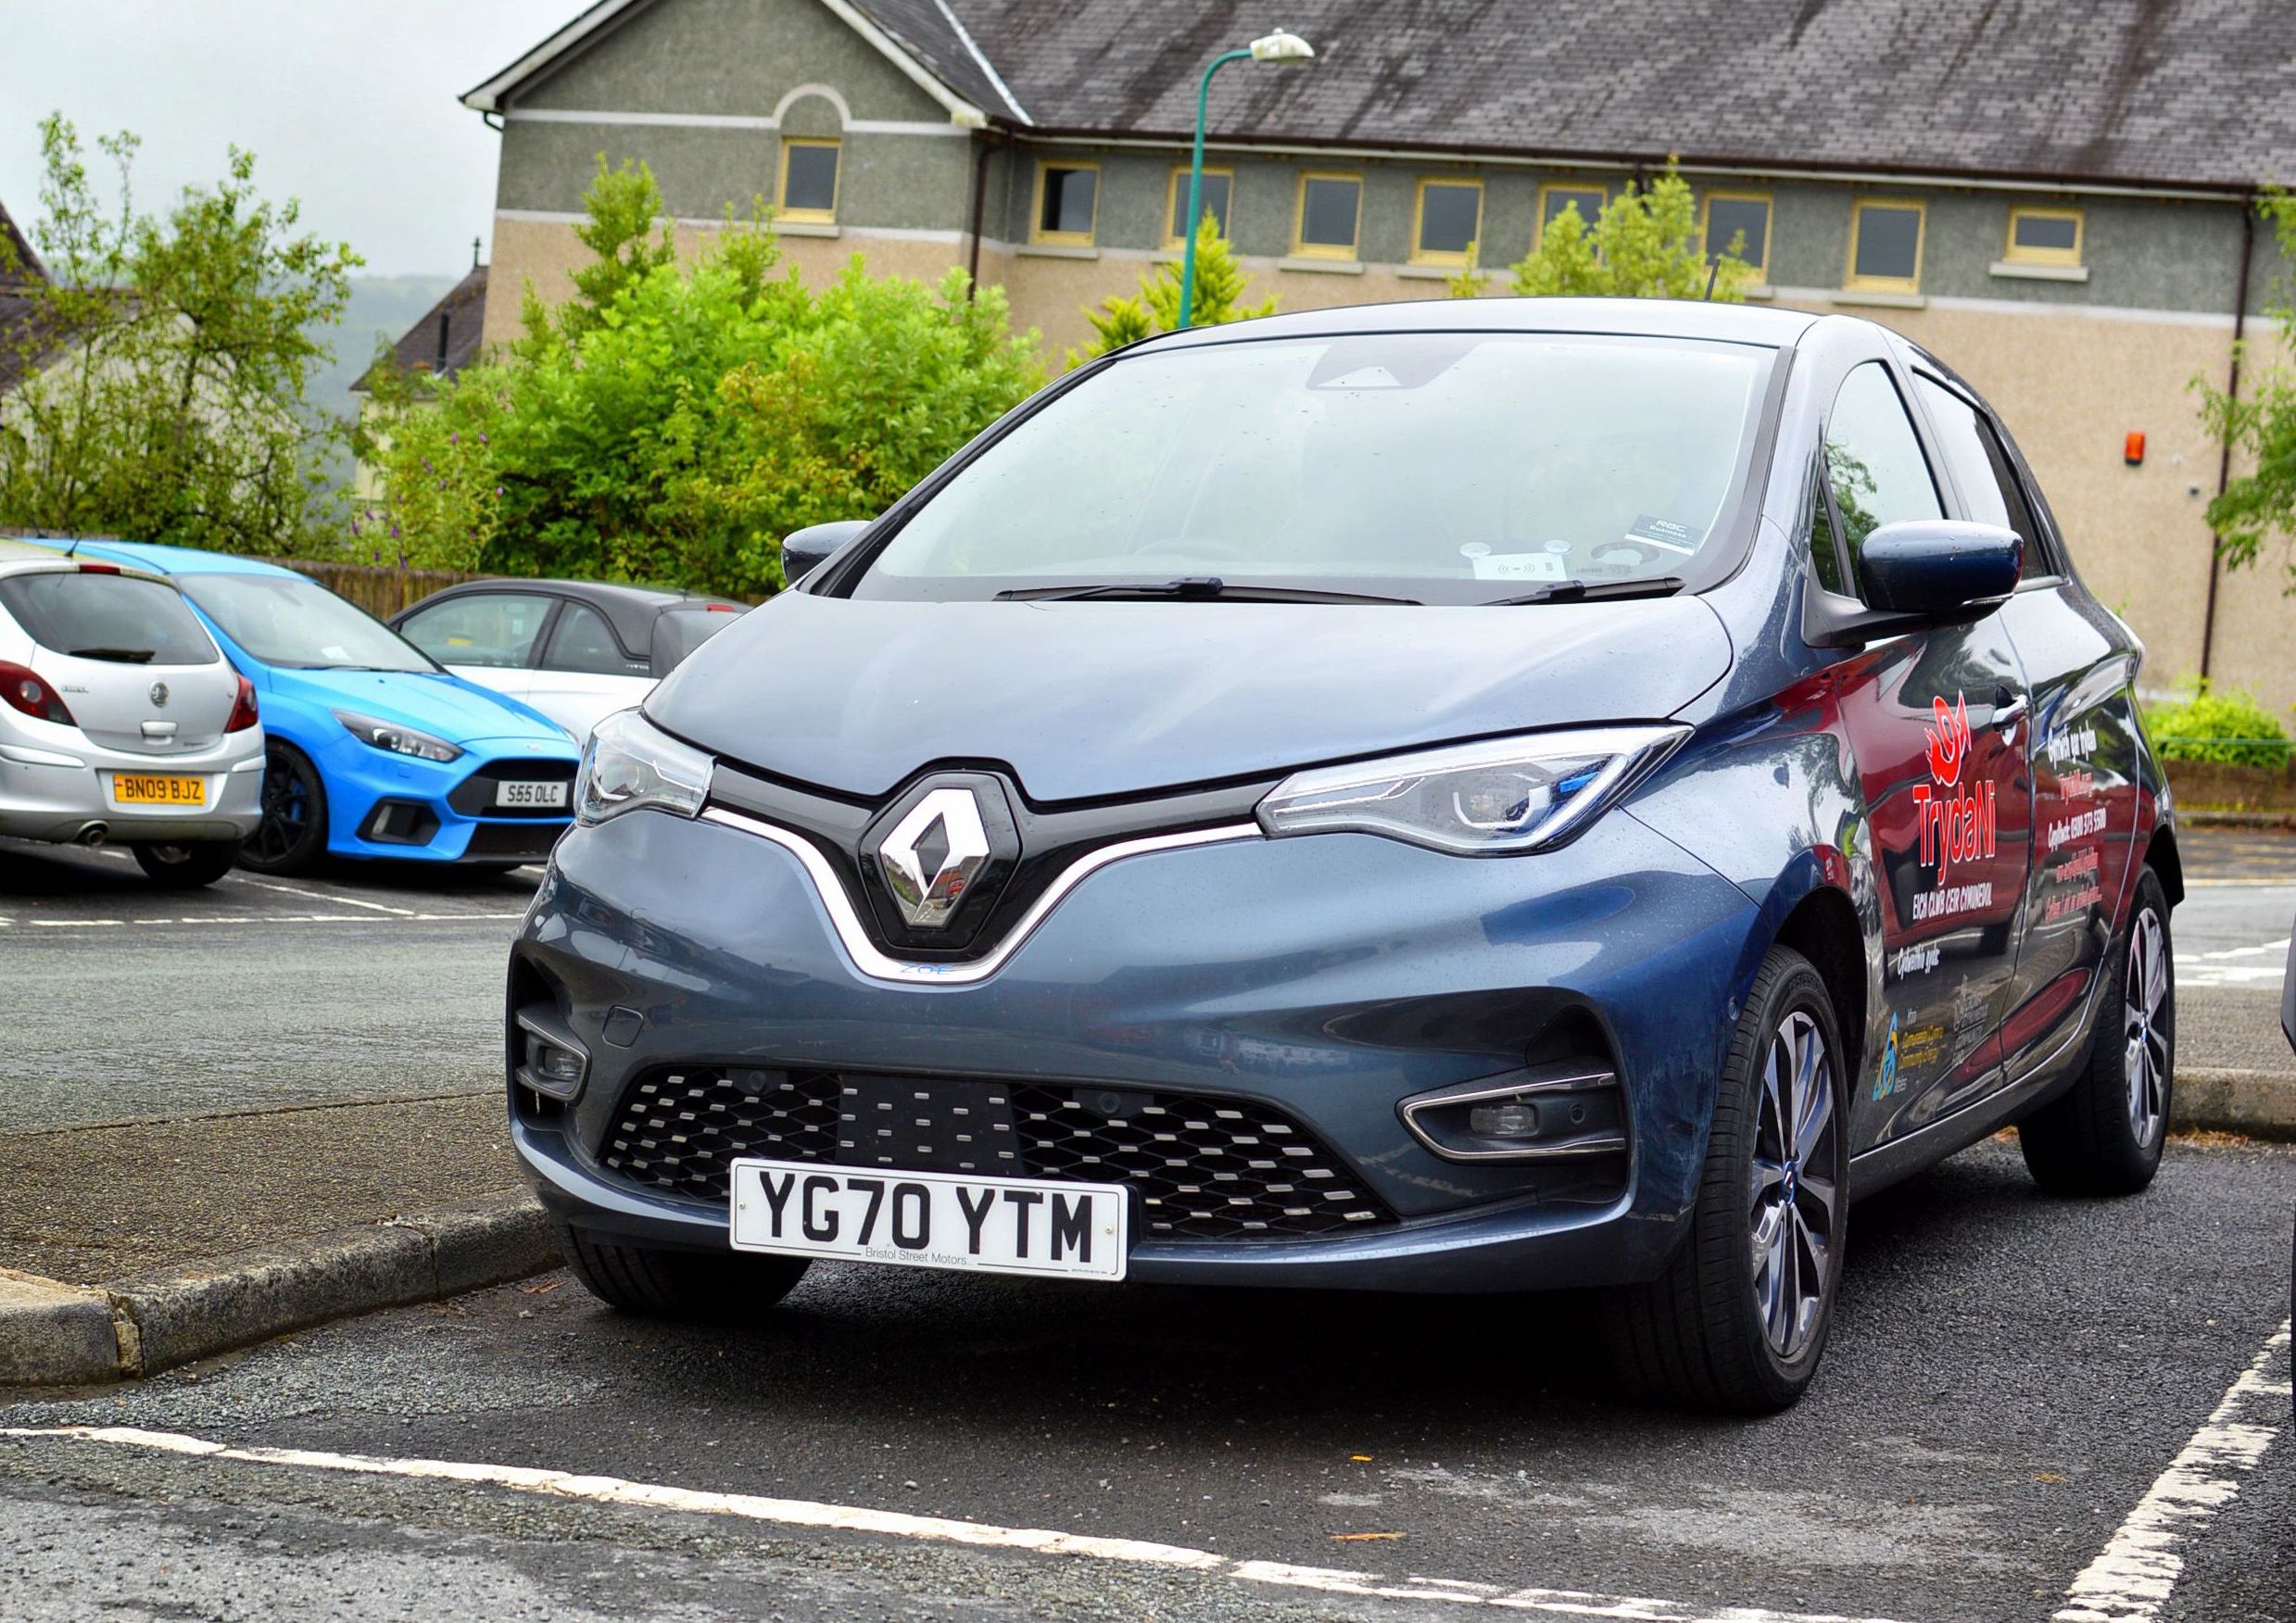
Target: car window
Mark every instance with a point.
(102, 616)
(583, 641)
(1874, 460)
(1990, 486)
(1442, 467)
(484, 628)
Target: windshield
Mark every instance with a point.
(1441, 467)
(285, 620)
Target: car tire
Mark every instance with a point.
(293, 833)
(709, 1288)
(1739, 1321)
(2103, 1136)
(188, 866)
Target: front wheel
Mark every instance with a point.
(709, 1288)
(188, 866)
(293, 832)
(2104, 1134)
(1739, 1319)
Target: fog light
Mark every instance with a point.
(550, 1063)
(1504, 1119)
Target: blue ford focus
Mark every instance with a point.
(1471, 797)
(374, 750)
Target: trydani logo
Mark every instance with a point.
(1955, 827)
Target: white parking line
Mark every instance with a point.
(2133, 1577)
(317, 895)
(807, 1512)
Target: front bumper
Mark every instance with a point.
(43, 797)
(406, 809)
(1330, 978)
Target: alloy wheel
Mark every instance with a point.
(286, 812)
(2146, 1057)
(1796, 1186)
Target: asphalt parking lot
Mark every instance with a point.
(2024, 1396)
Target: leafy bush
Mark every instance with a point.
(1644, 244)
(1216, 297)
(2209, 725)
(675, 419)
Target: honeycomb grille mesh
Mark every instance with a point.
(1199, 1167)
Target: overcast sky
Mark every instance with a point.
(349, 104)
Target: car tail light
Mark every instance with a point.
(243, 708)
(29, 691)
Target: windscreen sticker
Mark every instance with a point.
(1518, 566)
(1664, 533)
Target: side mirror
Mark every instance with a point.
(1932, 567)
(803, 551)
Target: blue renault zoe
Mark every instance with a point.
(373, 749)
(1484, 796)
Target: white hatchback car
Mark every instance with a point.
(119, 718)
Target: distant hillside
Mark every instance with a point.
(381, 309)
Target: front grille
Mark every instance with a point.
(1199, 1167)
(512, 839)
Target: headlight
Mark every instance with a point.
(398, 740)
(1488, 799)
(630, 763)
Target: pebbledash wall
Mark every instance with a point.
(2075, 357)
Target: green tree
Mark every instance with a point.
(2260, 428)
(1219, 288)
(1644, 244)
(166, 361)
(676, 418)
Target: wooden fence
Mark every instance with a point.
(381, 589)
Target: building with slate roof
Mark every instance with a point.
(2055, 198)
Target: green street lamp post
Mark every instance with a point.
(1281, 46)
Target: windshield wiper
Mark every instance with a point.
(1588, 592)
(123, 656)
(1191, 586)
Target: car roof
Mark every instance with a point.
(629, 610)
(180, 561)
(50, 555)
(1654, 318)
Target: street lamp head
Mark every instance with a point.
(1282, 46)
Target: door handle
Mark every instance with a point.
(2007, 710)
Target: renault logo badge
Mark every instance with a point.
(933, 855)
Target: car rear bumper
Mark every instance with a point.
(1319, 982)
(56, 792)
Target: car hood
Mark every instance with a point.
(446, 706)
(1086, 700)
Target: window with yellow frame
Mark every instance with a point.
(1329, 215)
(1886, 244)
(1587, 200)
(2044, 236)
(1066, 203)
(808, 182)
(1446, 221)
(1740, 219)
(1220, 185)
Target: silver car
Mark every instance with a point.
(119, 718)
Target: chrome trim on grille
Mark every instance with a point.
(878, 965)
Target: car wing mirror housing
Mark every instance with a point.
(803, 551)
(1917, 573)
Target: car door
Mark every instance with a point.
(2081, 743)
(1934, 718)
(585, 674)
(489, 637)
